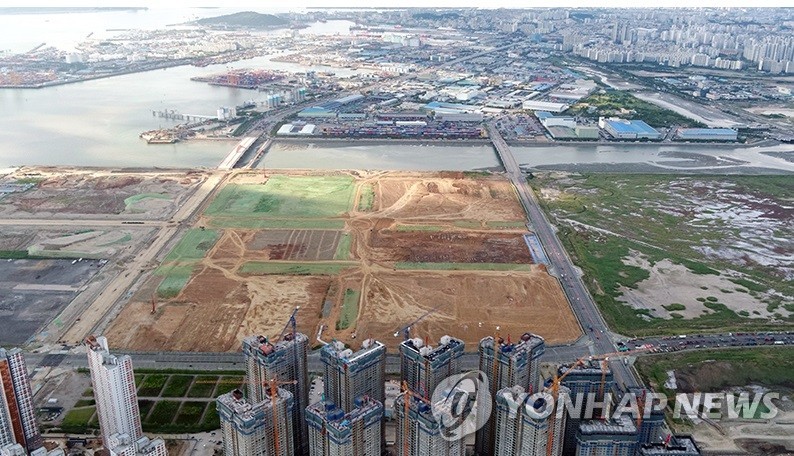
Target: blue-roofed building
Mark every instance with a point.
(629, 129)
(706, 134)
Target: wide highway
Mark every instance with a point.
(561, 265)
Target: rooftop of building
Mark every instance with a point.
(623, 425)
(527, 342)
(586, 367)
(677, 446)
(239, 405)
(266, 346)
(336, 418)
(338, 349)
(707, 131)
(445, 345)
(631, 126)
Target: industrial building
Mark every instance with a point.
(533, 105)
(114, 392)
(673, 446)
(520, 433)
(296, 130)
(284, 361)
(349, 375)
(629, 129)
(423, 367)
(613, 437)
(565, 127)
(17, 414)
(418, 431)
(508, 364)
(707, 134)
(581, 379)
(334, 432)
(258, 429)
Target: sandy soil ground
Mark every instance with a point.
(62, 192)
(220, 306)
(673, 283)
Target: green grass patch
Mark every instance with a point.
(749, 285)
(367, 198)
(419, 228)
(135, 199)
(152, 385)
(177, 385)
(229, 383)
(163, 412)
(145, 406)
(190, 413)
(203, 386)
(211, 419)
(343, 248)
(770, 366)
(287, 196)
(78, 420)
(468, 224)
(84, 403)
(89, 392)
(14, 255)
(175, 280)
(407, 265)
(674, 307)
(292, 268)
(349, 314)
(249, 222)
(505, 224)
(194, 245)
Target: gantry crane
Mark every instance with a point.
(555, 385)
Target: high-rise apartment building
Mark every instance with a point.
(257, 429)
(607, 437)
(349, 374)
(590, 377)
(336, 432)
(123, 445)
(506, 364)
(114, 392)
(418, 431)
(523, 424)
(17, 415)
(284, 361)
(423, 367)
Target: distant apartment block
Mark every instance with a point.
(423, 366)
(284, 361)
(507, 364)
(349, 374)
(581, 379)
(257, 429)
(518, 433)
(17, 414)
(335, 432)
(114, 392)
(674, 446)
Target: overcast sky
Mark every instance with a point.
(263, 5)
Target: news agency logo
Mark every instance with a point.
(462, 404)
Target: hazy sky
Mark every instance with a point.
(259, 4)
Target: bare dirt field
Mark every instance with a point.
(353, 281)
(60, 192)
(469, 305)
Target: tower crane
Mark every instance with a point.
(291, 322)
(555, 385)
(273, 385)
(407, 393)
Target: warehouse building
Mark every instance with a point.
(706, 134)
(629, 129)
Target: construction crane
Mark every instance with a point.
(273, 386)
(406, 330)
(291, 322)
(555, 385)
(407, 393)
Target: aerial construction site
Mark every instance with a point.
(364, 254)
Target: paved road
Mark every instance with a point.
(56, 222)
(234, 361)
(561, 265)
